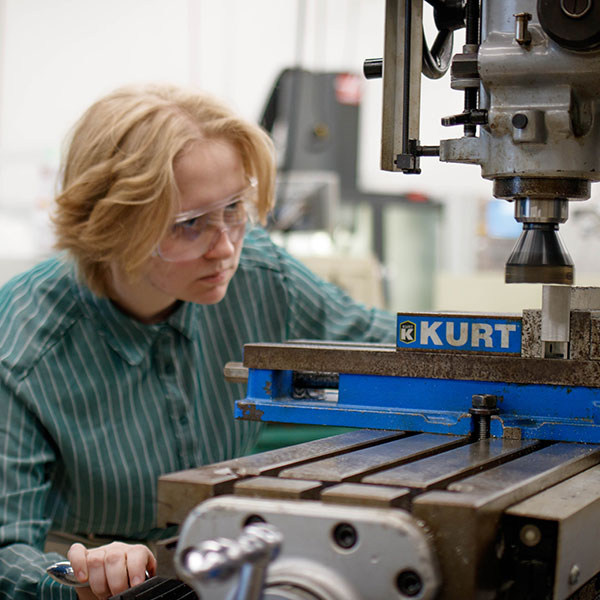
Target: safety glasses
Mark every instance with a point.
(196, 232)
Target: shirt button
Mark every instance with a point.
(183, 420)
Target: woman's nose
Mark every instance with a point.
(221, 245)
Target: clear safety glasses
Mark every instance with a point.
(196, 232)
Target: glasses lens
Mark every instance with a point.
(194, 237)
(235, 213)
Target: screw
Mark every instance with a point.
(345, 535)
(519, 121)
(409, 583)
(530, 535)
(321, 130)
(483, 407)
(575, 8)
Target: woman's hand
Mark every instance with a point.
(110, 569)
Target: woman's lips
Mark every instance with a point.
(218, 277)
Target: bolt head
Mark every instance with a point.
(530, 535)
(484, 400)
(519, 121)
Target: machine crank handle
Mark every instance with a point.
(219, 560)
(63, 573)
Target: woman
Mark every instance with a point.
(111, 354)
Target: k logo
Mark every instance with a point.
(408, 332)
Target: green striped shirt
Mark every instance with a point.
(98, 405)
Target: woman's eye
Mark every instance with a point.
(234, 207)
(190, 223)
(186, 227)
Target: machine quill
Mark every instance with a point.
(476, 473)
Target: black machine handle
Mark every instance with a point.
(449, 15)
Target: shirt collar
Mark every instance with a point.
(130, 338)
(186, 319)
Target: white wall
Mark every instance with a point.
(56, 58)
(59, 56)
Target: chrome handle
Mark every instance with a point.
(218, 560)
(63, 573)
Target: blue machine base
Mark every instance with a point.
(526, 411)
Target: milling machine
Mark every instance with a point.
(479, 473)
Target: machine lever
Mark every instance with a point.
(63, 573)
(219, 560)
(475, 116)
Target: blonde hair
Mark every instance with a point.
(119, 193)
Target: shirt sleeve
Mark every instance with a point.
(320, 310)
(25, 457)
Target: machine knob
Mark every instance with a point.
(373, 68)
(573, 24)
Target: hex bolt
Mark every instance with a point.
(483, 407)
(484, 401)
(483, 429)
